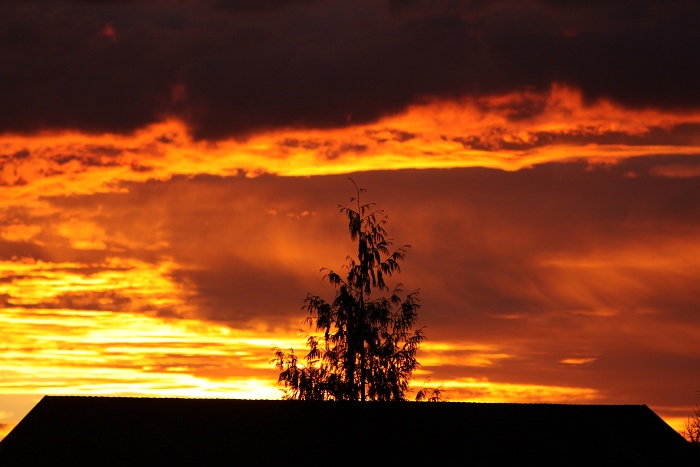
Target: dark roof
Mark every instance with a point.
(154, 431)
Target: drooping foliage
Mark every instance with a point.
(366, 345)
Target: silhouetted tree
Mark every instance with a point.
(692, 427)
(431, 394)
(367, 346)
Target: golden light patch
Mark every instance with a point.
(460, 354)
(92, 352)
(577, 361)
(5, 428)
(29, 283)
(483, 390)
(677, 423)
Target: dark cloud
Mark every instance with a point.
(242, 293)
(255, 5)
(232, 67)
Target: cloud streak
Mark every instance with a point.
(469, 133)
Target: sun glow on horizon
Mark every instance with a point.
(61, 351)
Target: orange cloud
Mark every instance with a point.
(497, 132)
(19, 232)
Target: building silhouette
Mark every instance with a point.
(76, 431)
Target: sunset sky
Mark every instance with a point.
(170, 174)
